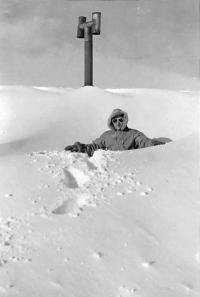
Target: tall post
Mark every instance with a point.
(88, 44)
(86, 30)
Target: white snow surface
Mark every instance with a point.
(119, 224)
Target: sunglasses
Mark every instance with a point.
(115, 120)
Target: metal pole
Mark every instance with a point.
(86, 30)
(88, 42)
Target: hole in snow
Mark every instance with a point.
(64, 208)
(69, 179)
(91, 165)
(74, 177)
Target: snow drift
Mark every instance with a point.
(55, 117)
(118, 224)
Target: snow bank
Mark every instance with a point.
(120, 224)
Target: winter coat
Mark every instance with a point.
(125, 139)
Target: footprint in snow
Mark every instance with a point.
(74, 177)
(67, 207)
(69, 179)
(90, 165)
(74, 206)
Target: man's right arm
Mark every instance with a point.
(90, 148)
(97, 144)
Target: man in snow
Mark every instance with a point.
(118, 138)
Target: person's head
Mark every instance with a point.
(118, 120)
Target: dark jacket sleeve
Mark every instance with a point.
(98, 143)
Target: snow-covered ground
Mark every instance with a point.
(119, 224)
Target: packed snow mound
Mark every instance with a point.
(50, 118)
(120, 224)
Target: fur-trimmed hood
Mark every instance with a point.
(118, 112)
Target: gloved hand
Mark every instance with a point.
(157, 142)
(77, 147)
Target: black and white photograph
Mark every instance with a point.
(99, 148)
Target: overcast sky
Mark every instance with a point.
(143, 43)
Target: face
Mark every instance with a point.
(118, 123)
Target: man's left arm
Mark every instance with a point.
(142, 141)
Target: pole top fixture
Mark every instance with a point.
(95, 24)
